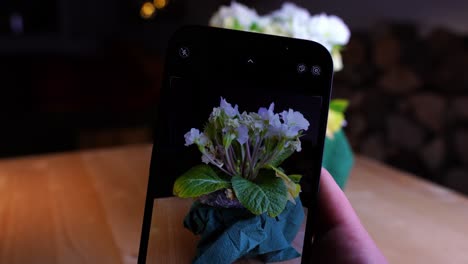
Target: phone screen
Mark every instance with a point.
(249, 70)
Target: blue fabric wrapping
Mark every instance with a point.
(234, 233)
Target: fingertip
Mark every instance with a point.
(326, 178)
(335, 207)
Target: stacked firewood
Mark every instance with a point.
(408, 95)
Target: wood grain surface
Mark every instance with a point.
(87, 207)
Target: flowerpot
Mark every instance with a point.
(338, 157)
(229, 232)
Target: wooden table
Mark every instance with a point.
(87, 207)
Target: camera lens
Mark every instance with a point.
(316, 70)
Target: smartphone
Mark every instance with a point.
(251, 70)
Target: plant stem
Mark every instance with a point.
(255, 157)
(244, 172)
(233, 152)
(248, 159)
(219, 166)
(247, 146)
(228, 160)
(233, 160)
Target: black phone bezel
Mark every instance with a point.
(219, 52)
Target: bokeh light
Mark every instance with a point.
(159, 4)
(147, 10)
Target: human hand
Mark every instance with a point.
(341, 238)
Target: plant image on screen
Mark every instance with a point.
(240, 185)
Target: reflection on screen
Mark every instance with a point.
(169, 241)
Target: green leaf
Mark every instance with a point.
(227, 140)
(293, 188)
(197, 181)
(339, 105)
(237, 24)
(282, 156)
(337, 48)
(210, 130)
(268, 194)
(254, 27)
(295, 177)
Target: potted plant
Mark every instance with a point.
(245, 204)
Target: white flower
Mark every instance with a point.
(242, 134)
(269, 26)
(208, 157)
(195, 137)
(228, 109)
(293, 19)
(294, 122)
(328, 30)
(267, 114)
(337, 61)
(296, 145)
(243, 143)
(204, 140)
(191, 136)
(289, 12)
(228, 16)
(215, 114)
(253, 121)
(295, 119)
(258, 125)
(230, 125)
(290, 21)
(276, 128)
(205, 159)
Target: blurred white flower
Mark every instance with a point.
(329, 29)
(290, 10)
(235, 16)
(337, 60)
(267, 25)
(290, 21)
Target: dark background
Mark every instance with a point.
(86, 74)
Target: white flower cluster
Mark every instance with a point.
(291, 21)
(242, 143)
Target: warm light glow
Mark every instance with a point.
(147, 10)
(159, 4)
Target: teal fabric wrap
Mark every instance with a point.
(338, 158)
(231, 234)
